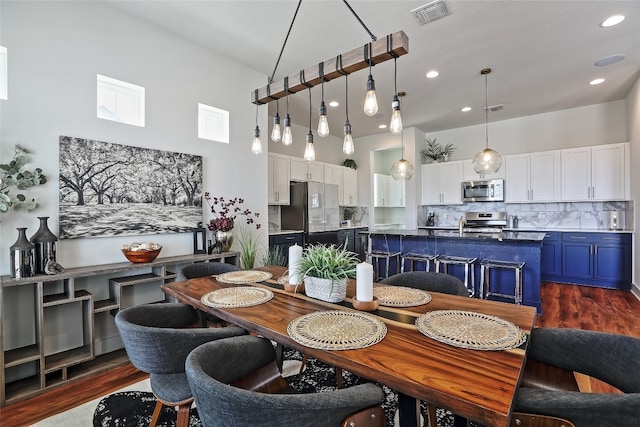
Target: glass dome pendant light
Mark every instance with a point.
(370, 100)
(402, 170)
(256, 146)
(347, 145)
(487, 160)
(276, 131)
(309, 151)
(287, 138)
(396, 118)
(323, 123)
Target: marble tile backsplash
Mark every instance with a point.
(564, 215)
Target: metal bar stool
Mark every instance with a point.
(469, 270)
(485, 272)
(377, 256)
(412, 258)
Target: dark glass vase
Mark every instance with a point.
(45, 245)
(22, 256)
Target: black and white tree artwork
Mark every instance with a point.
(117, 190)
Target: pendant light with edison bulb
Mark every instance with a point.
(309, 151)
(487, 160)
(256, 146)
(347, 144)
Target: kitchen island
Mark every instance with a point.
(505, 246)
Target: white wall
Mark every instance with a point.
(633, 121)
(55, 50)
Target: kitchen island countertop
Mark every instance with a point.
(503, 236)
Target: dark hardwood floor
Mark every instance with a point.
(565, 306)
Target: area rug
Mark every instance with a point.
(135, 408)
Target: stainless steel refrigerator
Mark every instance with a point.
(313, 208)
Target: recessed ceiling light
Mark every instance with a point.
(465, 109)
(432, 74)
(612, 20)
(608, 60)
(334, 104)
(596, 82)
(382, 126)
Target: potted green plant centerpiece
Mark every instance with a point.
(326, 270)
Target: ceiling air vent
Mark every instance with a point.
(494, 108)
(432, 11)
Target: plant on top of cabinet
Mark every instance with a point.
(14, 174)
(435, 151)
(350, 163)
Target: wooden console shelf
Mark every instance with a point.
(72, 302)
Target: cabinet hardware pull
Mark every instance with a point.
(577, 237)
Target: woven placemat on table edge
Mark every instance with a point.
(401, 296)
(236, 297)
(470, 330)
(337, 330)
(242, 277)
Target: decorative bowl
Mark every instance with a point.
(141, 252)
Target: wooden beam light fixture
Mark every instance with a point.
(378, 51)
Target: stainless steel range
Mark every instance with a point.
(485, 222)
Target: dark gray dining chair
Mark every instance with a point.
(157, 339)
(611, 358)
(434, 282)
(428, 281)
(236, 383)
(203, 269)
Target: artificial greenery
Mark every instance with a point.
(350, 163)
(275, 256)
(435, 151)
(249, 245)
(14, 174)
(327, 262)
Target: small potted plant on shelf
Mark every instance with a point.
(437, 152)
(326, 270)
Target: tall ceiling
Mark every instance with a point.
(542, 53)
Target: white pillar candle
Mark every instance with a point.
(364, 282)
(295, 254)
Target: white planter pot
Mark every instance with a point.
(322, 289)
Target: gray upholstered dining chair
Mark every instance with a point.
(611, 358)
(435, 282)
(236, 383)
(157, 339)
(428, 281)
(202, 269)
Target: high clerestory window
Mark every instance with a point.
(120, 101)
(213, 123)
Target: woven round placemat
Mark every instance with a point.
(470, 330)
(401, 296)
(337, 330)
(242, 277)
(240, 296)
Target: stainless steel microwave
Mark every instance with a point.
(491, 190)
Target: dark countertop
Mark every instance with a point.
(504, 236)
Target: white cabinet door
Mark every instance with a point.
(396, 193)
(315, 171)
(517, 178)
(609, 172)
(298, 169)
(381, 190)
(349, 187)
(332, 174)
(469, 174)
(431, 194)
(450, 182)
(278, 180)
(544, 176)
(576, 174)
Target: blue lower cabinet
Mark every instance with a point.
(596, 259)
(551, 258)
(284, 242)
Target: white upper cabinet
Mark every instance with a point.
(388, 192)
(601, 172)
(441, 183)
(301, 170)
(533, 177)
(469, 174)
(349, 187)
(278, 181)
(332, 174)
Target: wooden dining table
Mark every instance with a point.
(477, 384)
